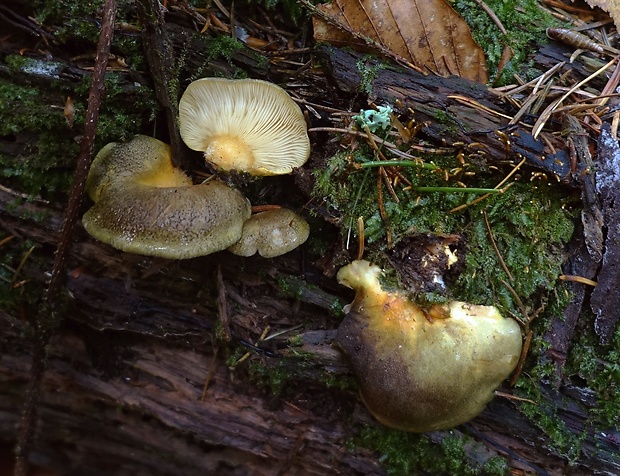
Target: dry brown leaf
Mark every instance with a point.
(610, 6)
(427, 33)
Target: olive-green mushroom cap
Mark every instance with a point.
(423, 370)
(144, 205)
(271, 233)
(246, 125)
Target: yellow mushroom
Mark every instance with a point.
(423, 370)
(271, 233)
(247, 125)
(144, 205)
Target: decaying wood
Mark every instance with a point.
(123, 392)
(160, 56)
(605, 301)
(453, 111)
(126, 372)
(43, 324)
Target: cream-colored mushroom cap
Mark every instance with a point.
(271, 233)
(144, 205)
(245, 125)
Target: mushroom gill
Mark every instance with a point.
(246, 125)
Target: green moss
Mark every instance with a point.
(296, 341)
(408, 453)
(599, 367)
(223, 46)
(344, 383)
(291, 8)
(44, 165)
(272, 376)
(368, 68)
(353, 193)
(559, 437)
(530, 225)
(75, 21)
(524, 21)
(301, 290)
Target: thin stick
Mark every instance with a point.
(360, 238)
(222, 304)
(477, 105)
(542, 119)
(494, 244)
(458, 190)
(44, 324)
(526, 318)
(514, 171)
(392, 147)
(5, 240)
(382, 212)
(209, 376)
(577, 279)
(524, 351)
(21, 264)
(396, 163)
(492, 15)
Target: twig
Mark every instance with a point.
(390, 145)
(396, 163)
(222, 305)
(540, 123)
(209, 376)
(577, 279)
(492, 15)
(494, 244)
(526, 347)
(360, 238)
(45, 321)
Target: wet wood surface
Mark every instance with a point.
(124, 391)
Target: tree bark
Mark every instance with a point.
(141, 379)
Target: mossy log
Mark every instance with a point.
(145, 372)
(452, 112)
(124, 391)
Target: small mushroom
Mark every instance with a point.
(247, 125)
(144, 205)
(271, 233)
(423, 370)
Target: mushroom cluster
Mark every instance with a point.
(145, 205)
(423, 369)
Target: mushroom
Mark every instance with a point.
(144, 205)
(423, 370)
(271, 233)
(246, 124)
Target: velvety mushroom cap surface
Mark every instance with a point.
(422, 371)
(271, 233)
(144, 205)
(246, 125)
